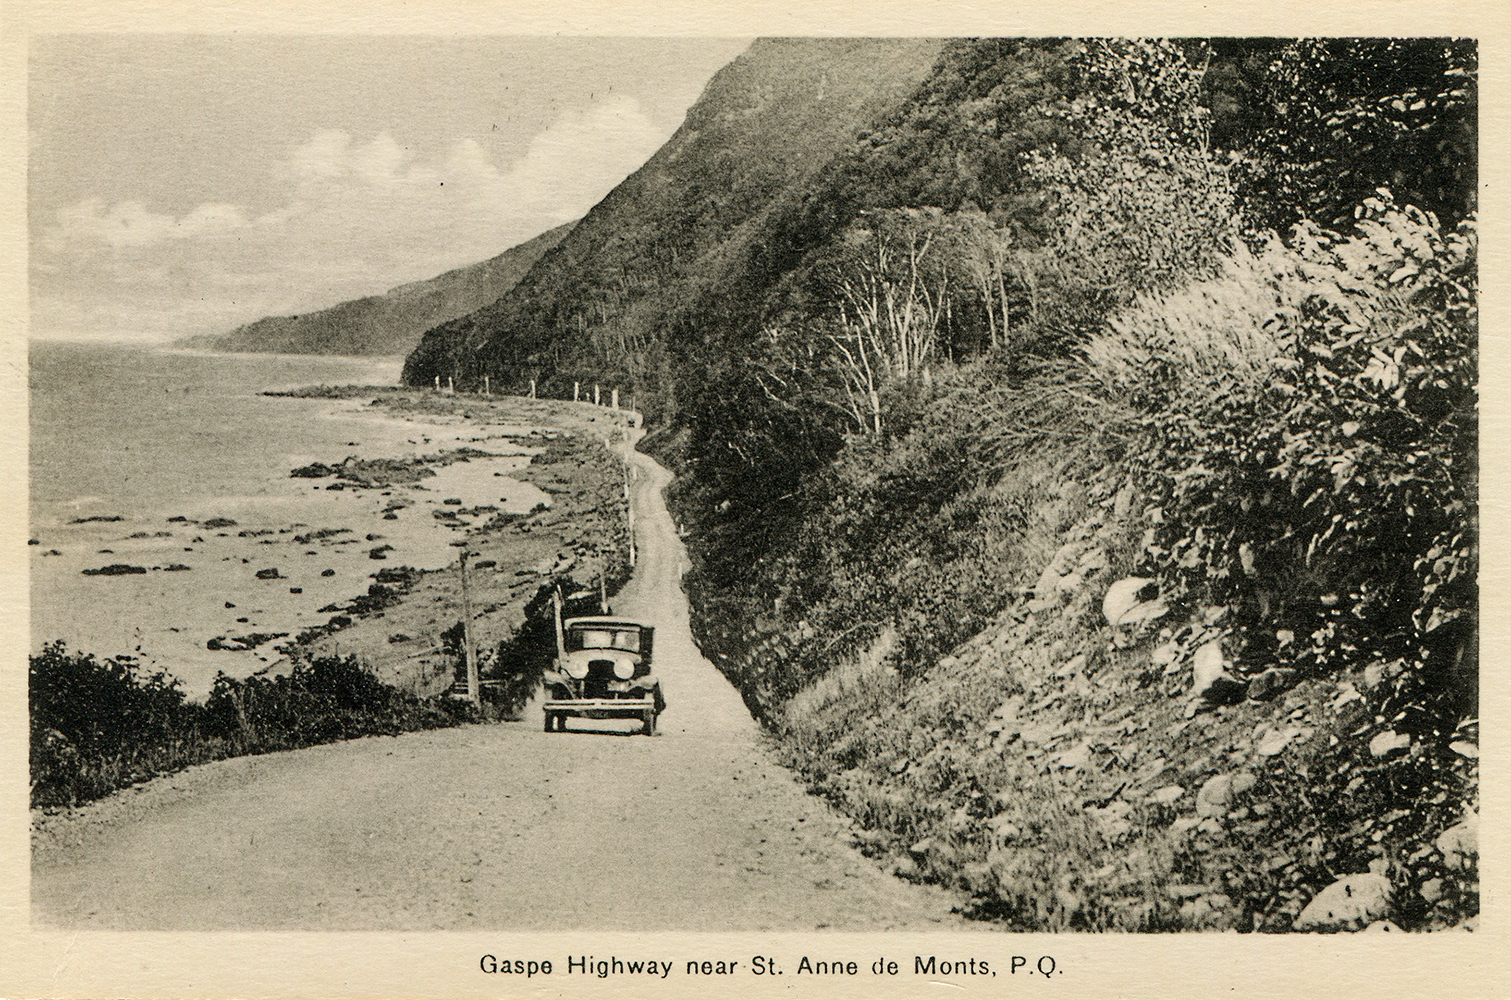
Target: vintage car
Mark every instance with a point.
(603, 671)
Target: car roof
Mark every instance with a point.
(602, 623)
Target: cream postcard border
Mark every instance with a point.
(266, 964)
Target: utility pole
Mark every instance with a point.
(473, 688)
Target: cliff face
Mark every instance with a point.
(391, 323)
(605, 300)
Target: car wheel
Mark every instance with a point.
(650, 723)
(550, 720)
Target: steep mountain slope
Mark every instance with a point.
(1036, 304)
(393, 322)
(764, 125)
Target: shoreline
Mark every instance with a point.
(404, 633)
(220, 584)
(579, 530)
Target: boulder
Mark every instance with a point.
(1125, 594)
(1459, 844)
(1122, 504)
(1382, 927)
(1167, 795)
(1210, 680)
(1276, 740)
(1389, 744)
(1352, 902)
(1216, 796)
(1266, 685)
(1129, 605)
(1067, 571)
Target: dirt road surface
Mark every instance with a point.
(492, 826)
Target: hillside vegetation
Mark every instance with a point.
(391, 323)
(1079, 467)
(600, 307)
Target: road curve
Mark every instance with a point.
(492, 826)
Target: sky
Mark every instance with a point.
(188, 184)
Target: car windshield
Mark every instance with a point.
(627, 639)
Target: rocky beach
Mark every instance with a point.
(353, 550)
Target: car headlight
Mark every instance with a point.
(624, 669)
(576, 668)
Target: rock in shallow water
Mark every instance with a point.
(115, 569)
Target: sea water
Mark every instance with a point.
(139, 456)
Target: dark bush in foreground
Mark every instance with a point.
(100, 725)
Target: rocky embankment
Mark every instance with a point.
(1095, 760)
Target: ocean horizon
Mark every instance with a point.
(173, 468)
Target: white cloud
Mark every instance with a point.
(130, 224)
(571, 165)
(362, 216)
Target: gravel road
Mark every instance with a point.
(497, 826)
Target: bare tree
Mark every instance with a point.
(890, 297)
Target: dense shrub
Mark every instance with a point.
(99, 725)
(1310, 445)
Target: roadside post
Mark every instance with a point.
(474, 694)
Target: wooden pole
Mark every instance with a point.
(595, 395)
(450, 385)
(575, 387)
(614, 396)
(561, 636)
(474, 692)
(487, 391)
(629, 512)
(532, 388)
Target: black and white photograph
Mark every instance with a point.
(808, 490)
